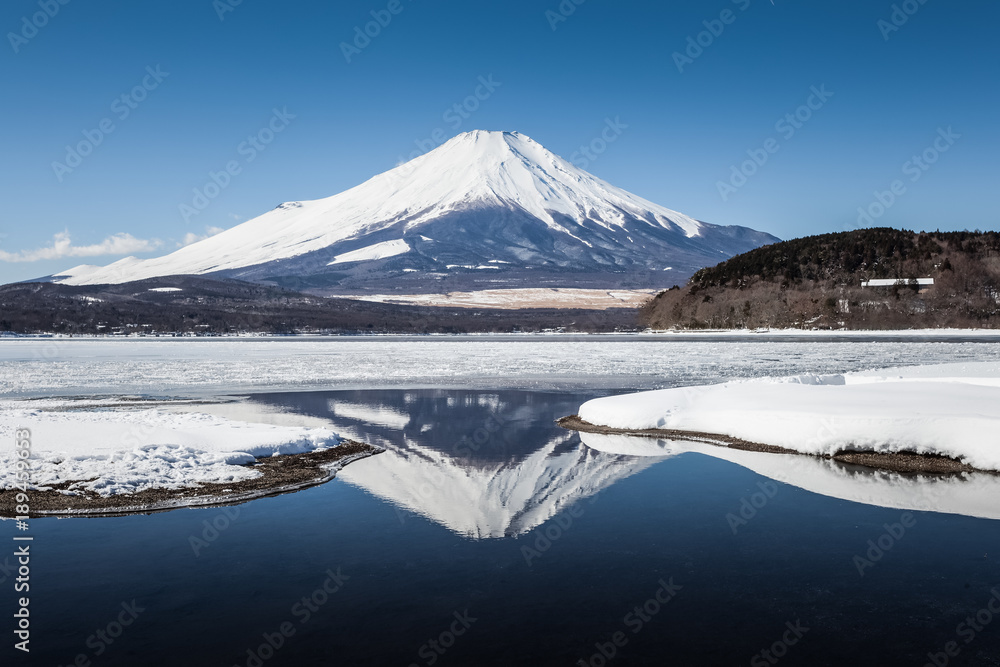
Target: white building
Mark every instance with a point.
(890, 282)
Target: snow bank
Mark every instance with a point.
(953, 410)
(113, 451)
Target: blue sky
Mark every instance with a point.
(199, 77)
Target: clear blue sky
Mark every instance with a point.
(892, 91)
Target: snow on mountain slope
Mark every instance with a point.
(377, 251)
(481, 197)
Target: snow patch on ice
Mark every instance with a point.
(114, 451)
(951, 410)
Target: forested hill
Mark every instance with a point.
(815, 281)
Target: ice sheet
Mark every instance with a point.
(66, 367)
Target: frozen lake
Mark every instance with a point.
(487, 535)
(50, 367)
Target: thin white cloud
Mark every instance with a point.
(62, 246)
(191, 237)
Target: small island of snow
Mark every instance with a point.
(951, 410)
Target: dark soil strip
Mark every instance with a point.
(901, 462)
(279, 474)
(907, 462)
(574, 423)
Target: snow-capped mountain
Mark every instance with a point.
(487, 207)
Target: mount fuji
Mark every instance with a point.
(484, 210)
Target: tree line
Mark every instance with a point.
(815, 282)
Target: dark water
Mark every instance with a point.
(512, 544)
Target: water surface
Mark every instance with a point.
(505, 540)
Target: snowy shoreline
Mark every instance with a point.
(644, 333)
(159, 500)
(939, 413)
(107, 456)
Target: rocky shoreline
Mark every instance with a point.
(899, 462)
(279, 474)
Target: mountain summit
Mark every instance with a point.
(484, 209)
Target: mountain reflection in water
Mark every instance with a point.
(490, 464)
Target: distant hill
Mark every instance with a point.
(816, 281)
(195, 305)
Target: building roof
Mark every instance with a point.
(889, 282)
